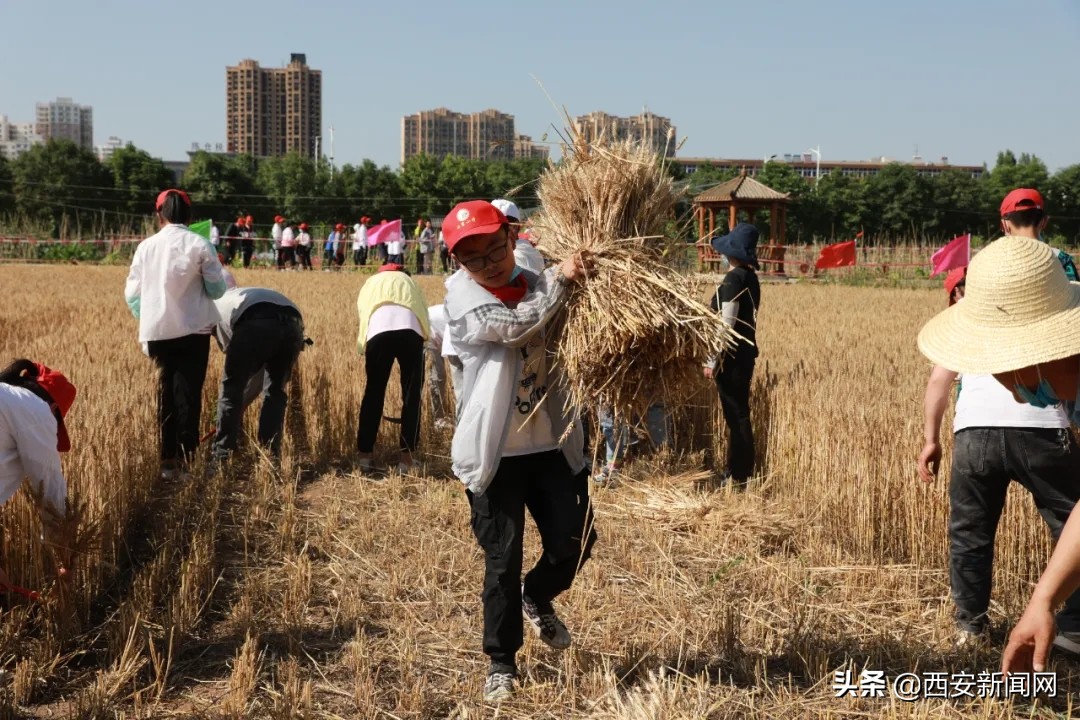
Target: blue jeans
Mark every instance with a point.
(617, 439)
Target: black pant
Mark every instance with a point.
(359, 257)
(558, 501)
(733, 384)
(303, 254)
(1047, 463)
(444, 259)
(286, 256)
(267, 338)
(407, 347)
(247, 249)
(182, 362)
(384, 254)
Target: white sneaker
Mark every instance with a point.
(498, 686)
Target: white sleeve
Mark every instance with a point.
(729, 312)
(35, 439)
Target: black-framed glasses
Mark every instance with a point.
(477, 264)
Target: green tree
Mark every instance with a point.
(1011, 172)
(1063, 204)
(460, 180)
(66, 187)
(419, 179)
(291, 185)
(957, 199)
(7, 187)
(841, 209)
(138, 178)
(898, 204)
(223, 187)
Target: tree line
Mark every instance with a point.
(61, 190)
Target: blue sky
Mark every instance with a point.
(962, 78)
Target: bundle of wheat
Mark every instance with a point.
(635, 333)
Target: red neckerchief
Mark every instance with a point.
(513, 292)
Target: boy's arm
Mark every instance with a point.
(494, 322)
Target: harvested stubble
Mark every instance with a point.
(636, 333)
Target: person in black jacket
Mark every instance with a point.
(737, 299)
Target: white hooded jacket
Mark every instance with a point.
(486, 336)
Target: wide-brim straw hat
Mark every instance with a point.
(1019, 310)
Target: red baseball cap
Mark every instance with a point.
(62, 393)
(303, 226)
(249, 219)
(278, 218)
(954, 278)
(339, 226)
(165, 193)
(475, 217)
(392, 267)
(1022, 199)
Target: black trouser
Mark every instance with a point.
(286, 256)
(247, 249)
(1047, 463)
(407, 347)
(444, 259)
(327, 258)
(182, 362)
(384, 254)
(303, 254)
(230, 250)
(733, 384)
(558, 501)
(266, 337)
(359, 257)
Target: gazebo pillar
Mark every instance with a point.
(733, 216)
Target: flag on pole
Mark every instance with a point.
(836, 256)
(956, 254)
(384, 233)
(201, 228)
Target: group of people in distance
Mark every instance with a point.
(292, 245)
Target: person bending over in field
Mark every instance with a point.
(393, 327)
(995, 440)
(515, 445)
(261, 333)
(33, 403)
(1020, 321)
(737, 300)
(171, 287)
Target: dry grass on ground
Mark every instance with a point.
(314, 593)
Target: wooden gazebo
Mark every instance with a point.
(745, 195)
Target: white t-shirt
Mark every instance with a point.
(528, 257)
(359, 238)
(215, 235)
(393, 247)
(28, 448)
(390, 316)
(303, 239)
(169, 281)
(530, 430)
(288, 237)
(984, 402)
(275, 233)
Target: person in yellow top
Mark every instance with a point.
(393, 326)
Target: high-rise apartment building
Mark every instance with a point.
(63, 119)
(647, 128)
(17, 138)
(487, 135)
(273, 111)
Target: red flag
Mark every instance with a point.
(836, 256)
(858, 234)
(384, 233)
(955, 255)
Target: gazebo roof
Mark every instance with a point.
(742, 187)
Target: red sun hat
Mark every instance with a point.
(165, 193)
(62, 393)
(475, 217)
(1022, 199)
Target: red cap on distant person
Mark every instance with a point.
(339, 226)
(62, 393)
(954, 278)
(475, 217)
(392, 267)
(1022, 199)
(249, 219)
(303, 226)
(165, 193)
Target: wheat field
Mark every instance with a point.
(308, 591)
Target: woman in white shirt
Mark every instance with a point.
(33, 402)
(174, 279)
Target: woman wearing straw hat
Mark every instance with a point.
(33, 403)
(995, 441)
(737, 300)
(1020, 321)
